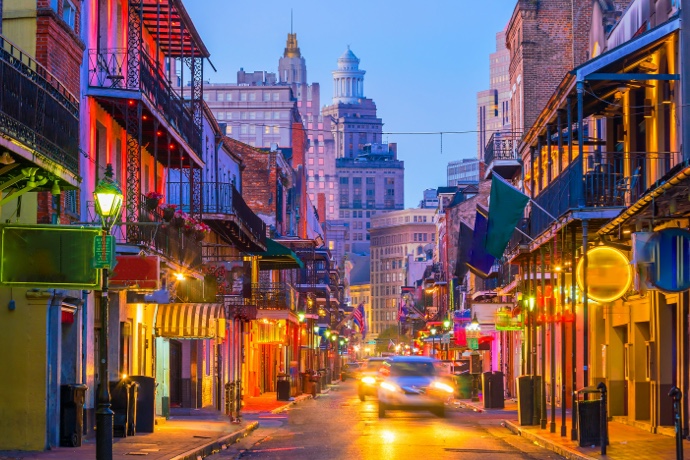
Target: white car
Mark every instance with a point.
(413, 383)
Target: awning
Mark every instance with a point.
(277, 257)
(188, 320)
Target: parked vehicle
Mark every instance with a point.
(414, 383)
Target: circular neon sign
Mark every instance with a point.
(609, 274)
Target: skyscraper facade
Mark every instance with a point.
(370, 176)
(397, 238)
(493, 104)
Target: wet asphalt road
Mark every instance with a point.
(338, 426)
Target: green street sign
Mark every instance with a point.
(371, 342)
(104, 254)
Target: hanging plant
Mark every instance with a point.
(153, 199)
(168, 211)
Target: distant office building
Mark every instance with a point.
(465, 171)
(397, 238)
(430, 199)
(493, 104)
(256, 111)
(368, 185)
(370, 176)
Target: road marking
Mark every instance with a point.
(274, 449)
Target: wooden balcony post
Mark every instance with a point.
(549, 153)
(559, 127)
(578, 189)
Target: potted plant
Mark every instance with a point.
(179, 218)
(168, 211)
(190, 224)
(201, 230)
(153, 199)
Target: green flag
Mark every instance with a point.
(506, 208)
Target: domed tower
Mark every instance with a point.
(348, 80)
(292, 68)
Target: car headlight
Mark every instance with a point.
(443, 387)
(388, 386)
(369, 380)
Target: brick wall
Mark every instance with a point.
(58, 47)
(546, 41)
(299, 145)
(258, 178)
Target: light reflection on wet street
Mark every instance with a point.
(338, 426)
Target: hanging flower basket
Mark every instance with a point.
(179, 218)
(153, 199)
(168, 212)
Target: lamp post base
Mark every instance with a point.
(104, 432)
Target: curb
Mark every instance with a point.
(563, 451)
(285, 407)
(468, 405)
(217, 445)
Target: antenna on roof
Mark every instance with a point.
(290, 20)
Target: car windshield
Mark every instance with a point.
(412, 369)
(374, 365)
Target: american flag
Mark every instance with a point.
(360, 319)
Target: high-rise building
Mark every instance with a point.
(464, 172)
(429, 199)
(255, 110)
(370, 176)
(397, 238)
(493, 104)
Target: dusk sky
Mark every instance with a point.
(424, 63)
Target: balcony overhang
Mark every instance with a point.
(235, 232)
(277, 257)
(504, 168)
(171, 27)
(277, 315)
(111, 99)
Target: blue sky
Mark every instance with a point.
(425, 62)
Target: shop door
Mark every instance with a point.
(175, 373)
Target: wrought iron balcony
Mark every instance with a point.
(599, 180)
(112, 69)
(274, 296)
(172, 242)
(36, 110)
(502, 146)
(193, 290)
(222, 202)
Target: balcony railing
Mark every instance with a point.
(193, 290)
(502, 146)
(600, 179)
(36, 109)
(220, 198)
(274, 296)
(166, 239)
(108, 68)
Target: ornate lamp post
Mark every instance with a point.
(108, 199)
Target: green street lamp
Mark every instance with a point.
(108, 198)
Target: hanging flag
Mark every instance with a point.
(480, 261)
(464, 245)
(506, 208)
(402, 311)
(360, 319)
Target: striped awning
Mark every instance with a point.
(188, 320)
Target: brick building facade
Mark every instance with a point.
(545, 40)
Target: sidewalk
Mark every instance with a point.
(625, 442)
(188, 434)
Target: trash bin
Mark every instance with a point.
(145, 403)
(119, 403)
(497, 391)
(316, 381)
(463, 383)
(283, 388)
(306, 382)
(487, 392)
(589, 423)
(525, 396)
(72, 414)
